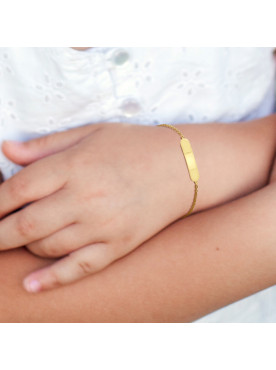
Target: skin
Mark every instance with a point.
(67, 217)
(160, 284)
(184, 272)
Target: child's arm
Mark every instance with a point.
(120, 185)
(233, 159)
(189, 269)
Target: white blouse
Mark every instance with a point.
(45, 90)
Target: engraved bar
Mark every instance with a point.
(190, 159)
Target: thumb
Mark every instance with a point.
(24, 153)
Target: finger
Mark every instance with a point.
(62, 242)
(81, 263)
(24, 153)
(31, 183)
(36, 221)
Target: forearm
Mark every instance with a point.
(189, 269)
(233, 160)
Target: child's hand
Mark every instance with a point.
(106, 189)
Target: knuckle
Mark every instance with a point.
(85, 267)
(99, 257)
(25, 225)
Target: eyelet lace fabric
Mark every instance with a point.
(46, 90)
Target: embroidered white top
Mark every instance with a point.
(45, 90)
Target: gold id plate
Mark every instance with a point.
(190, 159)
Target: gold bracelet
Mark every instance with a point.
(190, 162)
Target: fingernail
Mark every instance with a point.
(32, 286)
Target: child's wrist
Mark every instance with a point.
(175, 183)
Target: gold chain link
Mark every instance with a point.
(173, 128)
(195, 182)
(193, 202)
